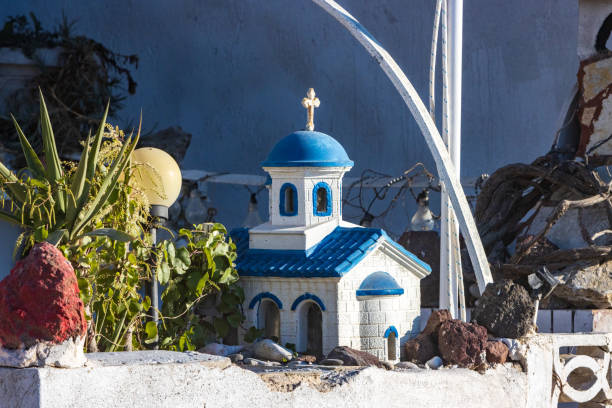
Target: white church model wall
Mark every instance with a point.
(313, 280)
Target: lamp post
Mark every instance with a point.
(159, 177)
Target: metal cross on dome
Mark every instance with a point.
(310, 103)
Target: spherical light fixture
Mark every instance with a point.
(159, 177)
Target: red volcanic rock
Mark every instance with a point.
(462, 343)
(497, 352)
(39, 300)
(421, 349)
(436, 318)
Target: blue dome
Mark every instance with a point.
(379, 284)
(308, 149)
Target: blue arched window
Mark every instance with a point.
(321, 200)
(288, 204)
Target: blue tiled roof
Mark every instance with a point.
(334, 256)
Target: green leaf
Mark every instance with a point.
(113, 234)
(163, 273)
(234, 319)
(15, 190)
(6, 216)
(221, 327)
(55, 237)
(41, 233)
(171, 252)
(151, 330)
(183, 255)
(31, 157)
(146, 304)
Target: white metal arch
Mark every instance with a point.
(430, 132)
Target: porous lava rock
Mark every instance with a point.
(462, 343)
(39, 301)
(352, 357)
(436, 319)
(505, 309)
(497, 352)
(425, 346)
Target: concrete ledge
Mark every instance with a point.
(167, 379)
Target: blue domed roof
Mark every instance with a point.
(308, 149)
(379, 284)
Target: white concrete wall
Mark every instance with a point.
(363, 322)
(288, 290)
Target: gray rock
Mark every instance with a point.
(435, 363)
(268, 350)
(217, 349)
(505, 309)
(586, 285)
(236, 357)
(406, 365)
(388, 365)
(332, 362)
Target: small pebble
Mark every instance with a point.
(434, 363)
(236, 357)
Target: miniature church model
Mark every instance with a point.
(314, 280)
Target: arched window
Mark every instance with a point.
(391, 335)
(288, 200)
(322, 200)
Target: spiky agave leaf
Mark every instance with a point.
(77, 186)
(14, 189)
(107, 186)
(31, 157)
(53, 170)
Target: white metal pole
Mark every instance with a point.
(455, 55)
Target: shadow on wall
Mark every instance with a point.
(8, 237)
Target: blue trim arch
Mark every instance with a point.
(308, 296)
(328, 195)
(391, 329)
(266, 295)
(282, 205)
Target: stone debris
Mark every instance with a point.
(497, 352)
(256, 362)
(462, 343)
(40, 309)
(505, 309)
(267, 349)
(434, 363)
(586, 285)
(352, 357)
(68, 354)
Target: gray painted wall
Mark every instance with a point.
(232, 72)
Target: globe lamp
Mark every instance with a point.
(159, 177)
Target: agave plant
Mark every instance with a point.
(52, 204)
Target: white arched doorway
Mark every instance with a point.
(268, 319)
(310, 328)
